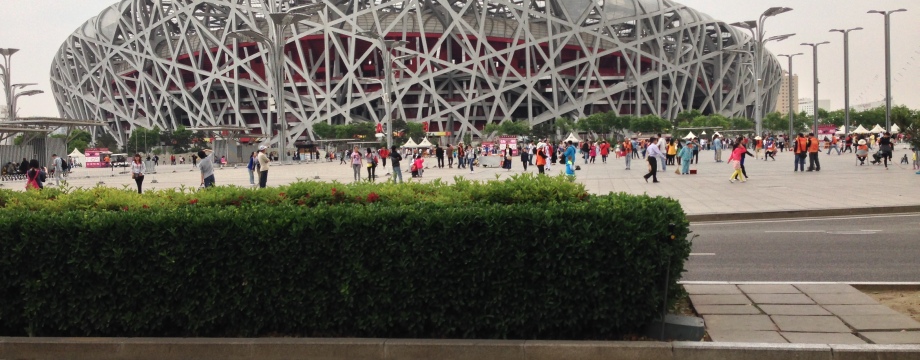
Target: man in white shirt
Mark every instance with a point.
(662, 146)
(652, 154)
(57, 163)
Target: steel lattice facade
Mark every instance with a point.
(168, 63)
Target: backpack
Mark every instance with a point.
(64, 165)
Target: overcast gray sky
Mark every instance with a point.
(38, 27)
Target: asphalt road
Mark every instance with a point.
(882, 248)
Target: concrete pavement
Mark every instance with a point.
(798, 313)
(773, 187)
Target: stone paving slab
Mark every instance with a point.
(881, 322)
(768, 289)
(719, 300)
(860, 310)
(712, 289)
(821, 338)
(844, 299)
(826, 288)
(739, 322)
(894, 337)
(800, 310)
(786, 299)
(727, 310)
(816, 324)
(771, 337)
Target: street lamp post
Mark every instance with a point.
(758, 32)
(846, 75)
(275, 43)
(386, 47)
(887, 15)
(814, 48)
(791, 111)
(7, 54)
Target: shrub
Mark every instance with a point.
(506, 259)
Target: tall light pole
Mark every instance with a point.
(846, 74)
(275, 43)
(7, 54)
(791, 109)
(386, 49)
(814, 48)
(887, 15)
(757, 30)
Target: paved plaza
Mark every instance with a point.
(773, 186)
(799, 313)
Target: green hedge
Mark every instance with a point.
(537, 267)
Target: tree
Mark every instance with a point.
(686, 117)
(324, 130)
(741, 124)
(565, 126)
(543, 131)
(507, 127)
(141, 140)
(106, 140)
(649, 124)
(776, 122)
(180, 139)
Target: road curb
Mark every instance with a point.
(793, 214)
(409, 349)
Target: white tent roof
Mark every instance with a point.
(425, 143)
(895, 129)
(572, 138)
(75, 153)
(690, 136)
(877, 129)
(861, 130)
(717, 134)
(841, 130)
(410, 144)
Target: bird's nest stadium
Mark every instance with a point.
(170, 63)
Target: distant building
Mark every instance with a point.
(782, 101)
(869, 105)
(808, 105)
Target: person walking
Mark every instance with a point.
(813, 150)
(834, 146)
(734, 160)
(383, 155)
(57, 169)
(371, 157)
(525, 157)
(395, 158)
(652, 155)
(886, 148)
(800, 148)
(356, 162)
(138, 169)
(470, 157)
(450, 156)
(605, 151)
(771, 149)
(686, 156)
(439, 154)
(263, 166)
(251, 168)
(717, 148)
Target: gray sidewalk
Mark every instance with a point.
(799, 313)
(773, 186)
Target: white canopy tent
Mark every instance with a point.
(425, 143)
(690, 136)
(77, 156)
(877, 129)
(861, 130)
(574, 139)
(895, 129)
(410, 144)
(842, 130)
(717, 134)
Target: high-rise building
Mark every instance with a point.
(808, 105)
(782, 101)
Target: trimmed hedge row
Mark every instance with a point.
(589, 268)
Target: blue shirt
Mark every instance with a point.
(570, 153)
(717, 144)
